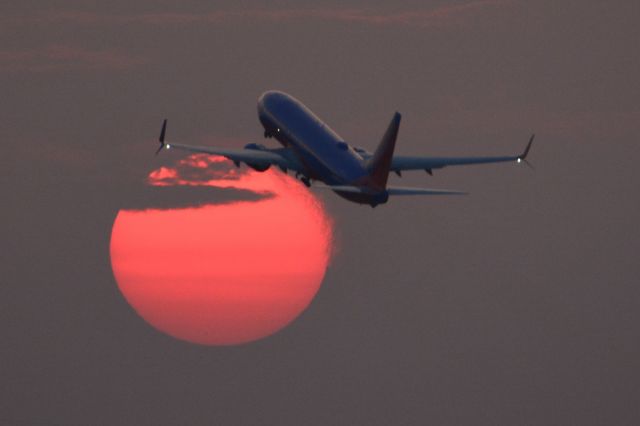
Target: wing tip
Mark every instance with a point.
(523, 157)
(528, 148)
(163, 132)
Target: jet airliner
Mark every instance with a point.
(316, 153)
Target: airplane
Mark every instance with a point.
(316, 153)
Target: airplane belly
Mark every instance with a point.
(363, 198)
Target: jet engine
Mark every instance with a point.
(257, 147)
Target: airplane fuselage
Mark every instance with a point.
(322, 152)
(315, 152)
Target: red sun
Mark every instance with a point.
(223, 274)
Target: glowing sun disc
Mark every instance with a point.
(224, 274)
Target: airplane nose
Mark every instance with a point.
(261, 100)
(267, 94)
(264, 98)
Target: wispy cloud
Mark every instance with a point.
(195, 170)
(64, 57)
(424, 17)
(199, 180)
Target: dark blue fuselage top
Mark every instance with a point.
(322, 151)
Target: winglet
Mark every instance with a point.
(526, 150)
(161, 138)
(523, 156)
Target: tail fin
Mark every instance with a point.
(380, 163)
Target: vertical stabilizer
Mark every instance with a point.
(380, 163)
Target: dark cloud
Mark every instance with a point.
(192, 181)
(183, 196)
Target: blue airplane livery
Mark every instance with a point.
(320, 157)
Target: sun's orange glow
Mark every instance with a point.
(226, 273)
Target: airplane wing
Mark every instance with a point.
(391, 190)
(256, 156)
(401, 163)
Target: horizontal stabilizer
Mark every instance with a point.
(391, 190)
(398, 190)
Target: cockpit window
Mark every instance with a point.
(343, 146)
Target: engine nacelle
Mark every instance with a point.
(257, 147)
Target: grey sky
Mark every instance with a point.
(517, 304)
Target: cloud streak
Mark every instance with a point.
(443, 15)
(64, 57)
(187, 196)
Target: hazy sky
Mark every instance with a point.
(517, 304)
